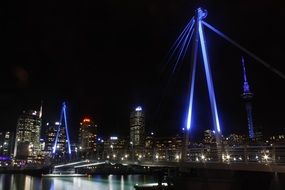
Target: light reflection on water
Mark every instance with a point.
(98, 182)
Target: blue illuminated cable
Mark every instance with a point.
(58, 130)
(280, 74)
(181, 42)
(193, 76)
(182, 49)
(188, 43)
(181, 37)
(209, 80)
(66, 128)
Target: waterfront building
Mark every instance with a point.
(27, 138)
(6, 143)
(87, 138)
(137, 127)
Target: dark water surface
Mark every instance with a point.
(98, 182)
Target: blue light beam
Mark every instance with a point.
(66, 128)
(181, 37)
(182, 48)
(209, 79)
(274, 70)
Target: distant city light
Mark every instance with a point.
(86, 120)
(139, 108)
(57, 123)
(265, 157)
(114, 138)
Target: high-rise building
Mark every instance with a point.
(87, 137)
(27, 141)
(50, 134)
(6, 143)
(137, 127)
(247, 96)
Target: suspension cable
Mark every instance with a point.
(274, 70)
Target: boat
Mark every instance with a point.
(154, 186)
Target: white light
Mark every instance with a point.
(156, 156)
(228, 156)
(114, 138)
(114, 155)
(203, 157)
(177, 157)
(126, 156)
(57, 123)
(265, 157)
(139, 108)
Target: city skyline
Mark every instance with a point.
(80, 71)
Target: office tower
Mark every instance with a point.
(137, 127)
(87, 137)
(27, 140)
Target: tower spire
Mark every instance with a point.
(247, 96)
(41, 110)
(246, 88)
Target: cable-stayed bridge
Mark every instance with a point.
(248, 157)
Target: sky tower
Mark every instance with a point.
(247, 96)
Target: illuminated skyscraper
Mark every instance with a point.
(247, 96)
(137, 128)
(27, 141)
(6, 143)
(50, 134)
(87, 137)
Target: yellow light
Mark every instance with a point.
(86, 120)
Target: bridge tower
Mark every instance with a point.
(199, 39)
(62, 135)
(247, 96)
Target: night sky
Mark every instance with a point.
(106, 57)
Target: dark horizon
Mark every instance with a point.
(106, 58)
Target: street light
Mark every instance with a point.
(132, 145)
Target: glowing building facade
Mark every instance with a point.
(87, 137)
(137, 127)
(27, 138)
(50, 134)
(6, 143)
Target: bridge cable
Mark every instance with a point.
(274, 70)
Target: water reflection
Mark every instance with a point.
(98, 182)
